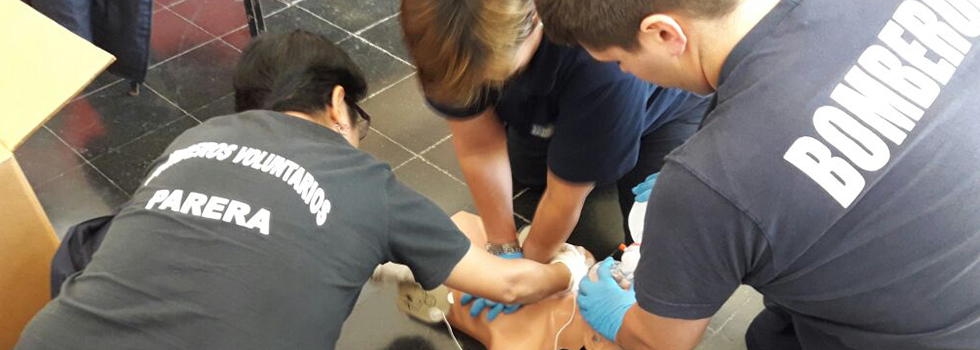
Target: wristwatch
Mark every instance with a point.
(506, 248)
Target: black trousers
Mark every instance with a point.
(602, 226)
(772, 329)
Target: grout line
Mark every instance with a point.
(436, 144)
(521, 192)
(388, 87)
(174, 4)
(107, 178)
(245, 26)
(230, 45)
(103, 87)
(175, 104)
(519, 216)
(212, 103)
(70, 148)
(732, 316)
(147, 134)
(325, 20)
(358, 37)
(167, 99)
(376, 131)
(461, 182)
(443, 171)
(451, 176)
(274, 12)
(134, 140)
(86, 162)
(405, 162)
(385, 51)
(213, 39)
(375, 24)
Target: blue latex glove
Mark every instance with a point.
(604, 303)
(643, 190)
(495, 308)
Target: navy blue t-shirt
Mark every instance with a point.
(592, 112)
(839, 175)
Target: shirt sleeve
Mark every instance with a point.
(421, 236)
(697, 248)
(485, 101)
(597, 132)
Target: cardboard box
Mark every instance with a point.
(42, 66)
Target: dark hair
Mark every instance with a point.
(295, 71)
(600, 24)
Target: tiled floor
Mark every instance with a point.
(90, 158)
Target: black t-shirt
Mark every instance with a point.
(252, 231)
(593, 114)
(839, 175)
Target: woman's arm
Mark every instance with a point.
(481, 147)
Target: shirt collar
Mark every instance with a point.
(748, 44)
(541, 73)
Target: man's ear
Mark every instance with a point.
(663, 33)
(338, 112)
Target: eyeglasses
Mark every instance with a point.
(363, 120)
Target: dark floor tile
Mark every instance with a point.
(109, 118)
(100, 81)
(43, 157)
(352, 15)
(361, 329)
(519, 223)
(172, 35)
(450, 195)
(288, 20)
(128, 164)
(444, 157)
(401, 113)
(76, 196)
(527, 203)
(380, 69)
(220, 107)
(197, 78)
(296, 18)
(220, 17)
(385, 150)
(388, 35)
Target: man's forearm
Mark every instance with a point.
(644, 331)
(554, 221)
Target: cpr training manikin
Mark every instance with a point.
(557, 322)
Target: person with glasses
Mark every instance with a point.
(258, 230)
